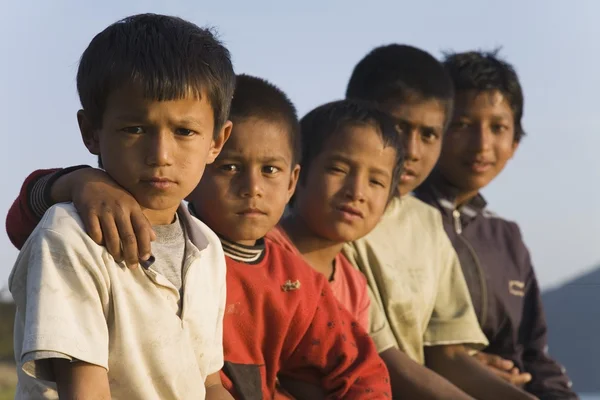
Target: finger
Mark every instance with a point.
(91, 221)
(144, 234)
(127, 238)
(520, 379)
(111, 236)
(502, 363)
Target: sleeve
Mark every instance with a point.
(337, 353)
(453, 320)
(217, 361)
(379, 328)
(549, 381)
(33, 201)
(62, 300)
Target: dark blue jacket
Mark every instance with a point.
(503, 287)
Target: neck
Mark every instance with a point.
(160, 217)
(319, 252)
(464, 197)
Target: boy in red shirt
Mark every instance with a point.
(281, 317)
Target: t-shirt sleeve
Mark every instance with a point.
(62, 303)
(364, 306)
(217, 360)
(33, 201)
(379, 328)
(337, 353)
(453, 320)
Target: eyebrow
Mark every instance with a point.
(141, 117)
(236, 156)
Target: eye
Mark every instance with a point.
(336, 169)
(270, 170)
(229, 168)
(377, 182)
(499, 128)
(460, 125)
(134, 130)
(429, 135)
(185, 132)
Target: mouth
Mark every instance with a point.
(159, 183)
(479, 166)
(350, 213)
(408, 175)
(251, 213)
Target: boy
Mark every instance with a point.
(352, 159)
(281, 316)
(484, 134)
(419, 294)
(156, 114)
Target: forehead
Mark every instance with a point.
(426, 113)
(258, 138)
(362, 145)
(130, 100)
(486, 103)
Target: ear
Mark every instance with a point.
(293, 181)
(89, 134)
(217, 143)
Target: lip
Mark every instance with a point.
(479, 166)
(350, 213)
(408, 175)
(159, 182)
(251, 212)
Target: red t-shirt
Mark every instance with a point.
(348, 284)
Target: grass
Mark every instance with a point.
(8, 375)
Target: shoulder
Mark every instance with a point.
(61, 227)
(283, 261)
(353, 276)
(500, 225)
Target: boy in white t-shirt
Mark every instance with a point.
(155, 92)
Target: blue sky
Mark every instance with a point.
(309, 48)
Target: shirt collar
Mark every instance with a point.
(445, 195)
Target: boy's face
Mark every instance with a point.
(156, 150)
(480, 140)
(422, 123)
(244, 193)
(347, 186)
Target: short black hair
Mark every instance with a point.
(329, 119)
(400, 73)
(485, 71)
(257, 98)
(168, 57)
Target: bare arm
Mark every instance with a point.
(215, 389)
(413, 381)
(80, 380)
(456, 365)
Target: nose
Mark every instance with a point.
(481, 138)
(413, 145)
(356, 187)
(160, 149)
(251, 183)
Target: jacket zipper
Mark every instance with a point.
(482, 280)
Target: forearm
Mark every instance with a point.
(79, 380)
(413, 381)
(217, 392)
(456, 365)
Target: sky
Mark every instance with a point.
(308, 48)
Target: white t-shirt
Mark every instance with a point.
(74, 301)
